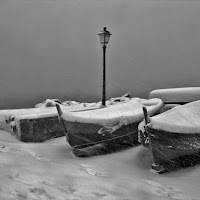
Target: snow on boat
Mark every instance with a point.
(172, 97)
(108, 129)
(173, 137)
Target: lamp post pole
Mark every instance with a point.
(104, 76)
(104, 39)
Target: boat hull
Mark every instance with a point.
(107, 129)
(172, 150)
(87, 140)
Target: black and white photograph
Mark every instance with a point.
(99, 99)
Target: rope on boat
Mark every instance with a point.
(103, 141)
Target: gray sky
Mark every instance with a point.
(50, 48)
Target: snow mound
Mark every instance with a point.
(48, 103)
(180, 119)
(70, 103)
(185, 94)
(52, 102)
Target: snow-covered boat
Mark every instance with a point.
(173, 137)
(107, 129)
(172, 97)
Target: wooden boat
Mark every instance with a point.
(108, 129)
(173, 137)
(172, 97)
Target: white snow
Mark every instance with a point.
(49, 170)
(43, 111)
(141, 127)
(117, 114)
(48, 109)
(31, 171)
(169, 106)
(181, 119)
(47, 103)
(10, 118)
(185, 94)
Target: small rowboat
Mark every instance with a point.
(177, 95)
(173, 137)
(107, 129)
(172, 97)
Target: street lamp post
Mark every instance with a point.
(104, 39)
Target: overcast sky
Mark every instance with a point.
(50, 48)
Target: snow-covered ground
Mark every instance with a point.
(50, 171)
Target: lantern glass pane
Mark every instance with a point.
(106, 38)
(101, 36)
